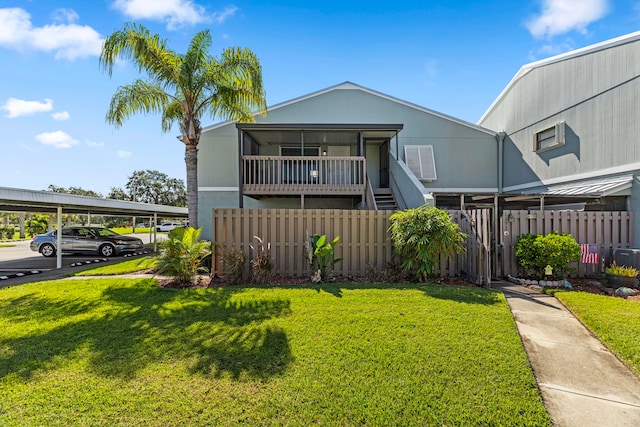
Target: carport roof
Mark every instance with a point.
(599, 187)
(21, 200)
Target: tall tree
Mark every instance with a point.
(152, 186)
(183, 88)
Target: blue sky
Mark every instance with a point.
(454, 57)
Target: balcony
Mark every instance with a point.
(309, 175)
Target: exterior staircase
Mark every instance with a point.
(384, 199)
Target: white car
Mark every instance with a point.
(168, 226)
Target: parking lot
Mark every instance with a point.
(17, 262)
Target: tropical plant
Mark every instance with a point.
(321, 256)
(37, 224)
(181, 255)
(419, 236)
(233, 263)
(621, 270)
(183, 88)
(263, 269)
(557, 250)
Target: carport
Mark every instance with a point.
(21, 200)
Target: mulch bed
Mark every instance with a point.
(203, 281)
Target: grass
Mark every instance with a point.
(125, 352)
(615, 321)
(129, 230)
(6, 245)
(124, 267)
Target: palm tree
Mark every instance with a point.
(184, 88)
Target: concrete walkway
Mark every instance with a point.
(581, 381)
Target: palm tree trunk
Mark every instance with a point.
(191, 161)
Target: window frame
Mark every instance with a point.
(554, 134)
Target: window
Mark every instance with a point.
(421, 162)
(297, 151)
(549, 138)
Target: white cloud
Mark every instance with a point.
(124, 154)
(95, 144)
(175, 13)
(562, 16)
(58, 139)
(227, 13)
(65, 15)
(20, 107)
(65, 39)
(62, 115)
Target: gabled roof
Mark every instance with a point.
(527, 68)
(352, 86)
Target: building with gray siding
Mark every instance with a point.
(561, 135)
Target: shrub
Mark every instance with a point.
(37, 225)
(621, 270)
(181, 255)
(233, 263)
(321, 257)
(419, 236)
(7, 232)
(558, 250)
(263, 270)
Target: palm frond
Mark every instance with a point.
(147, 51)
(138, 97)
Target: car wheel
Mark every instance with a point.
(106, 250)
(48, 250)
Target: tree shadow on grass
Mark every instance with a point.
(144, 324)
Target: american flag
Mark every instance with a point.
(589, 254)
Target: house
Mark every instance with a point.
(568, 130)
(561, 135)
(346, 147)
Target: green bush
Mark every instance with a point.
(419, 236)
(181, 255)
(621, 270)
(7, 232)
(37, 225)
(558, 250)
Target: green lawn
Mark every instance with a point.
(125, 352)
(124, 267)
(615, 321)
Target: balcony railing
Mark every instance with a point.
(288, 175)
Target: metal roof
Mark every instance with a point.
(20, 200)
(587, 188)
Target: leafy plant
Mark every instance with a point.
(621, 270)
(419, 236)
(233, 263)
(321, 256)
(181, 255)
(558, 250)
(263, 269)
(37, 224)
(7, 232)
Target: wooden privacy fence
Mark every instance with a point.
(363, 236)
(607, 230)
(363, 242)
(475, 262)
